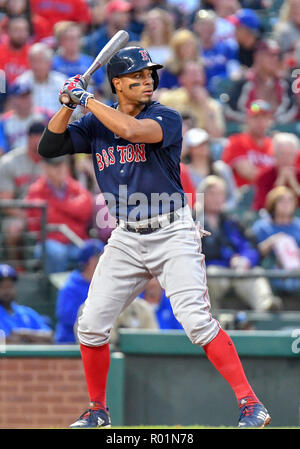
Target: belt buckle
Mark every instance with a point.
(142, 229)
(138, 228)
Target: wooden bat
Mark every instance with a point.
(113, 45)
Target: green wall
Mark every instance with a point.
(170, 381)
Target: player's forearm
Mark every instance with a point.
(59, 122)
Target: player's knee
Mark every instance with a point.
(202, 333)
(89, 334)
(90, 338)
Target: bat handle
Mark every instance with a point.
(86, 79)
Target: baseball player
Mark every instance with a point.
(136, 146)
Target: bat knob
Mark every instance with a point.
(65, 99)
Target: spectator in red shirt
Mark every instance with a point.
(249, 151)
(38, 25)
(18, 170)
(57, 10)
(14, 52)
(187, 185)
(264, 80)
(283, 172)
(67, 203)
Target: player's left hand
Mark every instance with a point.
(75, 81)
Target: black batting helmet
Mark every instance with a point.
(130, 60)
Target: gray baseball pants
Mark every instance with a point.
(173, 255)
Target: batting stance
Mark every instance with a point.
(136, 146)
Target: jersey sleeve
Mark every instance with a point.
(81, 132)
(170, 122)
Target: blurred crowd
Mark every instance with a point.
(230, 69)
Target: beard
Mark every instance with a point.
(146, 102)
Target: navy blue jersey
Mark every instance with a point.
(138, 180)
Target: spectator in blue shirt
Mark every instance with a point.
(117, 15)
(69, 59)
(278, 236)
(73, 294)
(220, 58)
(229, 247)
(20, 324)
(156, 297)
(248, 31)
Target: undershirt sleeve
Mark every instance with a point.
(54, 145)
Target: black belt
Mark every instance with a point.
(149, 227)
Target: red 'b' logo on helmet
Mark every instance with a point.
(144, 54)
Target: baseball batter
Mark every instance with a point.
(136, 146)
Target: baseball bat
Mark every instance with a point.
(113, 45)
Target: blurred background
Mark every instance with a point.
(231, 68)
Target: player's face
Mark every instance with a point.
(137, 86)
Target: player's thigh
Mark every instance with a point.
(118, 279)
(183, 276)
